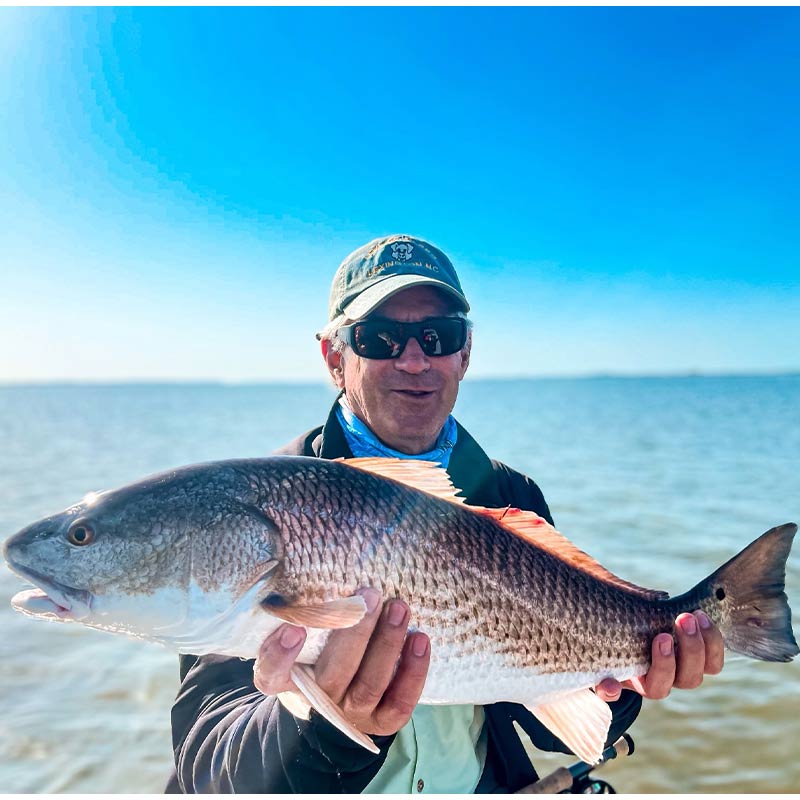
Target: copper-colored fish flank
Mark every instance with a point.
(464, 574)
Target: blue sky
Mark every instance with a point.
(618, 188)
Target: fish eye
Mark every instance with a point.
(80, 535)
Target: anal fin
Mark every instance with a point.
(303, 677)
(581, 720)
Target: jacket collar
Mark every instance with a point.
(471, 470)
(331, 441)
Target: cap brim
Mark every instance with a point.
(380, 292)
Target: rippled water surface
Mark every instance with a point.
(661, 479)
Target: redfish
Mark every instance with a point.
(212, 558)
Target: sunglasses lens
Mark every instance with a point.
(441, 337)
(377, 339)
(387, 339)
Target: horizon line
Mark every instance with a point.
(224, 382)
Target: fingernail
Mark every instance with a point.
(372, 598)
(419, 646)
(291, 637)
(702, 618)
(397, 614)
(689, 624)
(665, 646)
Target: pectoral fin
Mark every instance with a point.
(303, 677)
(581, 720)
(342, 613)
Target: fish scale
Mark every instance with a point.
(212, 558)
(422, 551)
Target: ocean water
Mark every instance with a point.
(662, 480)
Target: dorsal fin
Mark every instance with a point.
(540, 532)
(430, 477)
(427, 476)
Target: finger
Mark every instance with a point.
(379, 662)
(712, 639)
(609, 689)
(271, 672)
(341, 657)
(658, 682)
(402, 696)
(691, 653)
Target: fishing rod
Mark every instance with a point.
(578, 779)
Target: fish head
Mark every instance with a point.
(93, 562)
(146, 560)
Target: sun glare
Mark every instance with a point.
(90, 498)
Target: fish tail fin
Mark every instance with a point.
(745, 597)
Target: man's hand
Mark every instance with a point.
(700, 651)
(357, 665)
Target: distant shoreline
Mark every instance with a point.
(226, 384)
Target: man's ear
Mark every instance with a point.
(334, 362)
(467, 349)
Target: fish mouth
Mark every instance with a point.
(50, 598)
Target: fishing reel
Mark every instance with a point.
(590, 786)
(578, 778)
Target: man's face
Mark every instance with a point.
(405, 400)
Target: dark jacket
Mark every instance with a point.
(228, 737)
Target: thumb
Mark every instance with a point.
(609, 689)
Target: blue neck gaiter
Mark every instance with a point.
(363, 442)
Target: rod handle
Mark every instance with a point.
(553, 783)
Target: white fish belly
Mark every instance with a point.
(484, 677)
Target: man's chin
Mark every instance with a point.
(411, 434)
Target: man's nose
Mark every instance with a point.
(413, 358)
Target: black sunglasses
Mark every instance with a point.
(387, 338)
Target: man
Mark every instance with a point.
(397, 345)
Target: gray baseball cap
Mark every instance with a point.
(386, 266)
